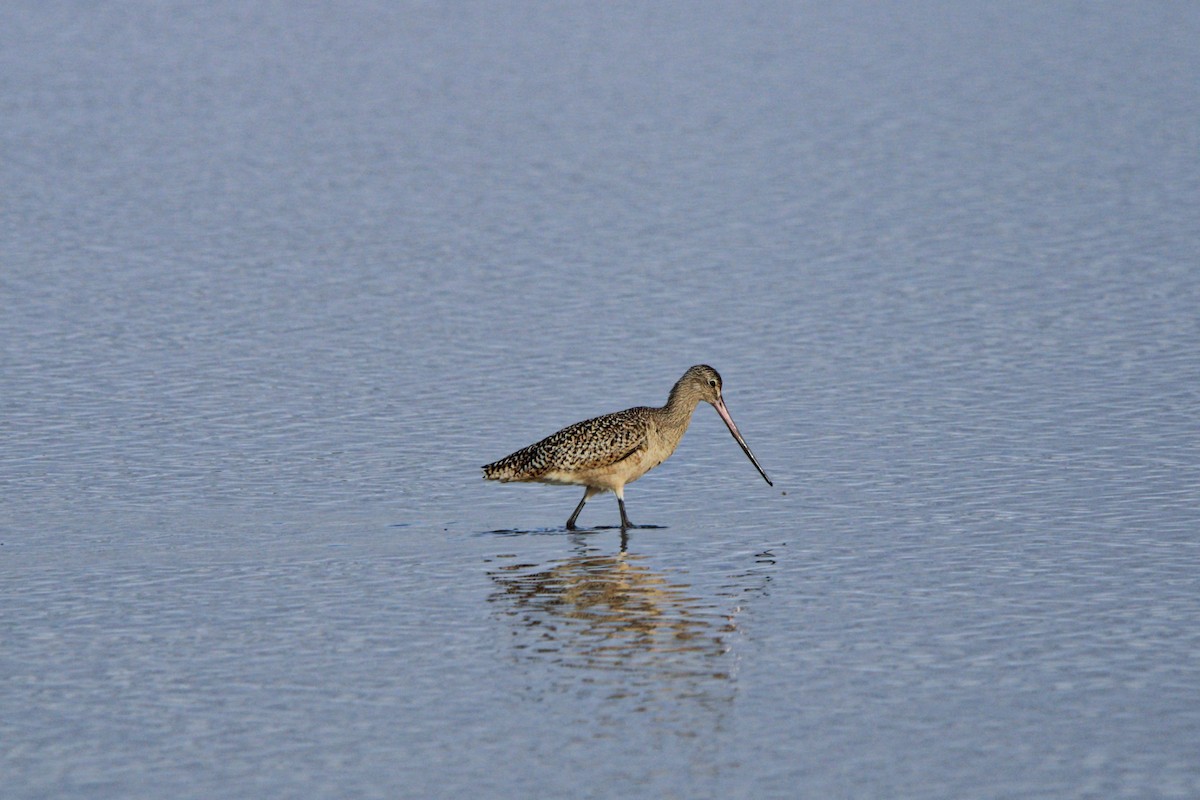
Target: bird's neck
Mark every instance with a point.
(680, 405)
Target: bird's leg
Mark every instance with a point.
(575, 516)
(587, 493)
(625, 523)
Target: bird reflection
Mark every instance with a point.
(613, 612)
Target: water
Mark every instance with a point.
(276, 280)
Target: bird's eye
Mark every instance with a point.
(712, 382)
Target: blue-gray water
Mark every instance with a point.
(277, 278)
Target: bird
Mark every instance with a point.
(605, 453)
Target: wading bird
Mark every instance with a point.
(605, 453)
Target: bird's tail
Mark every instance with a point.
(515, 467)
(499, 471)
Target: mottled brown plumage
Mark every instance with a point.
(605, 453)
(591, 444)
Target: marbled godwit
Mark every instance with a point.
(605, 453)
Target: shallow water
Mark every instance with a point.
(277, 281)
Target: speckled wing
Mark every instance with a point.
(591, 444)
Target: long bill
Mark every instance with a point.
(724, 412)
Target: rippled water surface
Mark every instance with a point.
(275, 281)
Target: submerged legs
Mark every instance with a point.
(588, 493)
(625, 523)
(591, 492)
